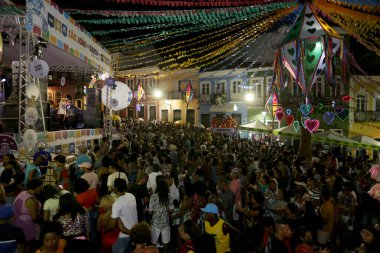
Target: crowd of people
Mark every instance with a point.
(158, 187)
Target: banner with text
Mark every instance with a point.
(47, 20)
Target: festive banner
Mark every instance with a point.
(140, 93)
(44, 19)
(189, 94)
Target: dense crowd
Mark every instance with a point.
(157, 187)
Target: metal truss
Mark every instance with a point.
(73, 69)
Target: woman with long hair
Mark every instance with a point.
(73, 218)
(51, 204)
(188, 231)
(161, 205)
(106, 225)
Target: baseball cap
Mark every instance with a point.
(210, 208)
(6, 211)
(85, 165)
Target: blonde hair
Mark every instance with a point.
(106, 201)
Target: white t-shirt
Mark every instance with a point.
(92, 179)
(152, 180)
(113, 176)
(51, 205)
(125, 209)
(174, 192)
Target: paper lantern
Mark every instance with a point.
(32, 91)
(39, 68)
(30, 138)
(31, 116)
(120, 97)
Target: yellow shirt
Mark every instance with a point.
(61, 247)
(222, 241)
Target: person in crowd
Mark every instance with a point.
(63, 172)
(199, 200)
(227, 199)
(283, 233)
(115, 172)
(188, 231)
(140, 191)
(141, 238)
(27, 212)
(172, 182)
(90, 176)
(83, 157)
(51, 204)
(371, 240)
(218, 228)
(124, 212)
(205, 243)
(185, 212)
(32, 170)
(12, 238)
(151, 184)
(133, 167)
(79, 246)
(303, 240)
(109, 231)
(103, 175)
(50, 236)
(161, 206)
(73, 218)
(327, 217)
(45, 154)
(11, 188)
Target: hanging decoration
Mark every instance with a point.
(288, 111)
(303, 119)
(296, 125)
(308, 48)
(189, 93)
(272, 104)
(320, 106)
(342, 113)
(305, 109)
(279, 115)
(312, 125)
(290, 119)
(347, 98)
(139, 93)
(328, 117)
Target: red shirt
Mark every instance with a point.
(88, 198)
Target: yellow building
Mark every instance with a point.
(365, 106)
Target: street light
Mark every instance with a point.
(264, 113)
(248, 97)
(157, 93)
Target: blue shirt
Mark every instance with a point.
(44, 154)
(29, 167)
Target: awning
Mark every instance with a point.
(335, 138)
(256, 126)
(288, 131)
(222, 108)
(366, 142)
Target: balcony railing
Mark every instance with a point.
(179, 94)
(367, 116)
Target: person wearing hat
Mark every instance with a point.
(12, 238)
(46, 154)
(90, 176)
(218, 228)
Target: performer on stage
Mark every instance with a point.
(70, 113)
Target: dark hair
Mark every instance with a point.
(50, 192)
(162, 192)
(293, 208)
(140, 233)
(34, 184)
(51, 227)
(189, 189)
(200, 188)
(120, 184)
(204, 243)
(6, 176)
(78, 246)
(175, 203)
(259, 197)
(156, 167)
(191, 228)
(81, 185)
(60, 158)
(68, 97)
(106, 161)
(69, 204)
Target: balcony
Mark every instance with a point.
(367, 116)
(179, 94)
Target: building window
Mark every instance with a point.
(176, 115)
(377, 104)
(58, 96)
(236, 87)
(205, 88)
(257, 87)
(165, 115)
(50, 97)
(269, 87)
(220, 87)
(179, 86)
(361, 103)
(337, 90)
(191, 116)
(152, 113)
(318, 87)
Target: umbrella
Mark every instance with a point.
(199, 125)
(335, 138)
(366, 141)
(255, 126)
(288, 131)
